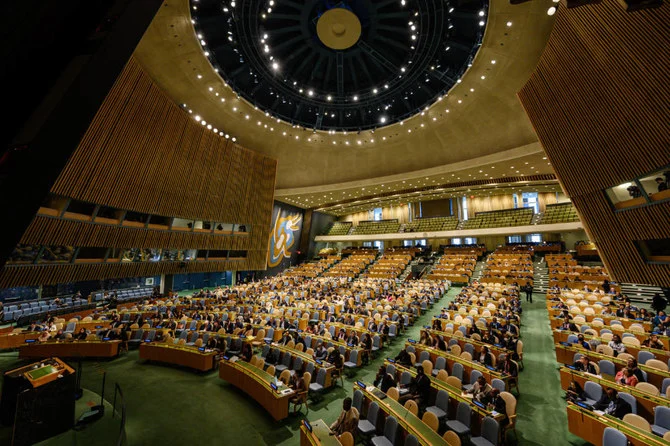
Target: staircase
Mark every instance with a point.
(479, 270)
(540, 277)
(640, 293)
(536, 218)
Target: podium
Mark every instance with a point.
(38, 400)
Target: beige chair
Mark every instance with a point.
(442, 375)
(454, 382)
(606, 337)
(605, 350)
(290, 344)
(656, 364)
(431, 420)
(633, 342)
(637, 421)
(412, 357)
(133, 326)
(309, 351)
(346, 439)
(466, 355)
(285, 377)
(92, 337)
(300, 398)
(393, 393)
(510, 408)
(412, 407)
(666, 436)
(452, 438)
(271, 370)
(625, 356)
(519, 351)
(648, 387)
(456, 349)
(300, 347)
(427, 367)
(260, 363)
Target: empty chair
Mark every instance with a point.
(469, 348)
(637, 421)
(390, 430)
(489, 433)
(297, 364)
(390, 369)
(352, 363)
(431, 420)
(269, 336)
(427, 367)
(346, 439)
(630, 399)
(461, 425)
(612, 437)
(442, 375)
(457, 371)
(376, 344)
(647, 387)
(285, 363)
(358, 401)
(440, 364)
(454, 382)
(498, 384)
(661, 421)
(393, 393)
(316, 388)
(405, 378)
(412, 407)
(368, 426)
(309, 368)
(393, 331)
(592, 392)
(656, 364)
(70, 327)
(607, 367)
(474, 374)
(452, 438)
(441, 405)
(422, 357)
(136, 339)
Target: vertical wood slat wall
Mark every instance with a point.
(598, 101)
(142, 152)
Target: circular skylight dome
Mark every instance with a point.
(349, 65)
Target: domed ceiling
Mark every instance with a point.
(271, 74)
(349, 65)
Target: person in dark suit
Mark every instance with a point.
(584, 364)
(528, 288)
(498, 404)
(485, 356)
(611, 404)
(508, 367)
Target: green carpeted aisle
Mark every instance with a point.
(169, 405)
(542, 418)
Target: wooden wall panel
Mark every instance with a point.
(144, 153)
(599, 103)
(599, 97)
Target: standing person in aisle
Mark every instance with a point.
(528, 288)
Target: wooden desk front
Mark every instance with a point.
(179, 355)
(70, 349)
(256, 383)
(590, 426)
(565, 355)
(663, 355)
(646, 403)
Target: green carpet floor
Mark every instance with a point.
(170, 405)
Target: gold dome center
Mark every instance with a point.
(338, 29)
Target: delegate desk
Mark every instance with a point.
(494, 349)
(557, 322)
(256, 383)
(646, 402)
(330, 368)
(317, 433)
(455, 394)
(662, 355)
(590, 426)
(565, 355)
(16, 338)
(185, 356)
(70, 349)
(468, 366)
(407, 421)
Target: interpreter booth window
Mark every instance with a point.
(655, 250)
(470, 240)
(408, 243)
(530, 201)
(379, 245)
(377, 214)
(650, 188)
(367, 244)
(465, 208)
(456, 241)
(514, 239)
(534, 238)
